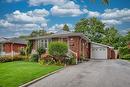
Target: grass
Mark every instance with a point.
(14, 74)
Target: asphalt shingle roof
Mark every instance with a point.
(12, 40)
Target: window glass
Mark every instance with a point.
(46, 43)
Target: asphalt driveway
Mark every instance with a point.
(95, 73)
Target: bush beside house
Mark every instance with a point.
(58, 51)
(56, 54)
(124, 52)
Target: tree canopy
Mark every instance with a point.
(96, 31)
(39, 33)
(66, 27)
(92, 28)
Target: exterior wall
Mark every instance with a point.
(8, 47)
(84, 50)
(75, 43)
(111, 53)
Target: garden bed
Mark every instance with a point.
(14, 74)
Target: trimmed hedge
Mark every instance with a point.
(57, 48)
(10, 58)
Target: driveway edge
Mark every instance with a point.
(37, 79)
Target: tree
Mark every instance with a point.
(38, 33)
(34, 34)
(28, 48)
(128, 36)
(113, 38)
(66, 28)
(92, 28)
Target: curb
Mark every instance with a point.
(37, 79)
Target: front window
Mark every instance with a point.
(46, 43)
(43, 43)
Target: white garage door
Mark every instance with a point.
(98, 52)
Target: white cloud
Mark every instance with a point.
(116, 16)
(36, 16)
(68, 9)
(58, 27)
(116, 13)
(6, 24)
(38, 12)
(91, 13)
(24, 21)
(111, 22)
(45, 2)
(111, 16)
(9, 1)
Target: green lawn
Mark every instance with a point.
(13, 74)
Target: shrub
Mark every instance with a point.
(46, 62)
(72, 60)
(28, 48)
(5, 59)
(42, 62)
(41, 51)
(34, 58)
(8, 58)
(22, 51)
(19, 57)
(57, 49)
(126, 57)
(123, 51)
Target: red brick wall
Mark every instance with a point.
(85, 47)
(7, 47)
(111, 53)
(74, 44)
(16, 47)
(77, 44)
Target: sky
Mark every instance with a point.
(21, 17)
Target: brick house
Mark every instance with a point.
(77, 43)
(11, 46)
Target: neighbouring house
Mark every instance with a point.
(11, 46)
(78, 44)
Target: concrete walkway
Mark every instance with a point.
(95, 73)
